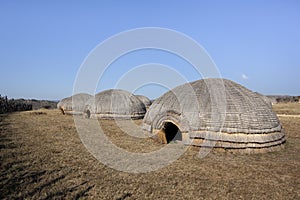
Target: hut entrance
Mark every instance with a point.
(62, 110)
(172, 132)
(88, 114)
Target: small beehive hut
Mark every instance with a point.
(115, 103)
(145, 100)
(74, 104)
(192, 113)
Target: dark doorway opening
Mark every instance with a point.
(172, 132)
(62, 110)
(88, 114)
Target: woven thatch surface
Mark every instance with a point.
(74, 103)
(144, 99)
(267, 99)
(200, 107)
(115, 103)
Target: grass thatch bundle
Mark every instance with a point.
(115, 103)
(225, 114)
(74, 104)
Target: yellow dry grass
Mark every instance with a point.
(42, 157)
(287, 108)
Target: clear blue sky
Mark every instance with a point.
(43, 43)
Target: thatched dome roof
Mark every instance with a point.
(217, 109)
(115, 103)
(144, 99)
(74, 103)
(266, 99)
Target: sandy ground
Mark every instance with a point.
(42, 157)
(284, 115)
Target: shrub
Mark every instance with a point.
(12, 105)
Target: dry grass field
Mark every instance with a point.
(287, 108)
(42, 157)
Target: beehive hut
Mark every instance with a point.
(266, 99)
(115, 103)
(192, 113)
(74, 104)
(145, 100)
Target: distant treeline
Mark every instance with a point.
(284, 99)
(12, 105)
(38, 104)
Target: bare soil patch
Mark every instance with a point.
(42, 157)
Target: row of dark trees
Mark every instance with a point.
(12, 105)
(288, 99)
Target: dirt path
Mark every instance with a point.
(284, 115)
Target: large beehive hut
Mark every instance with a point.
(145, 100)
(74, 104)
(266, 99)
(115, 103)
(193, 114)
